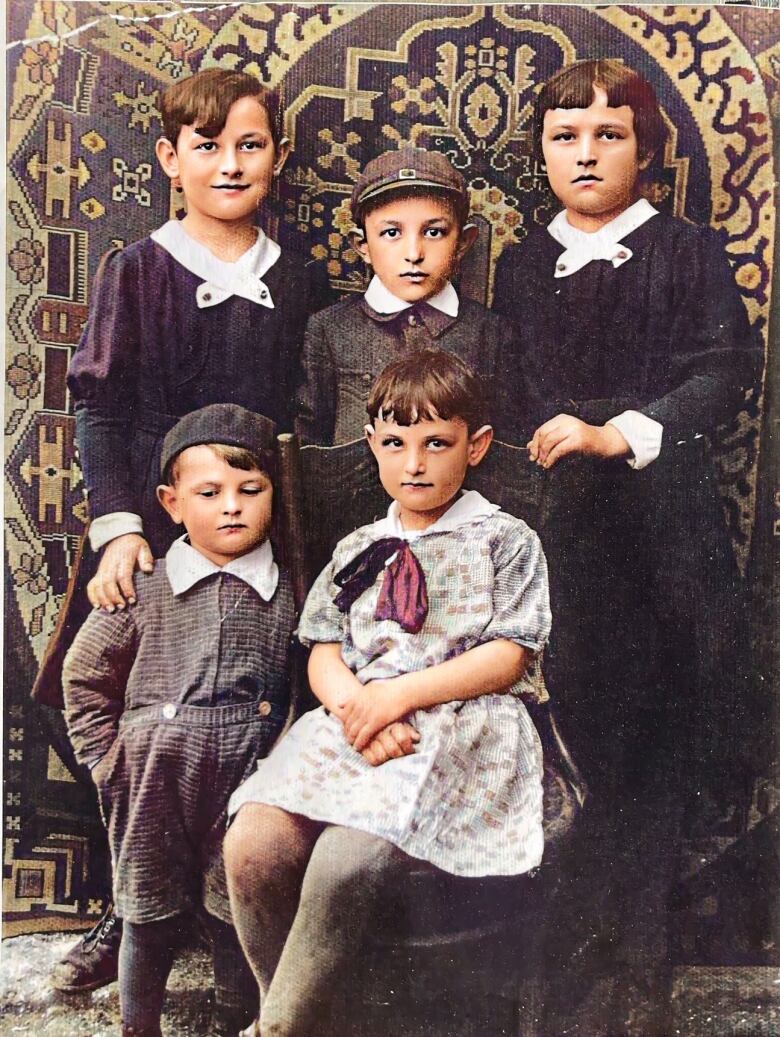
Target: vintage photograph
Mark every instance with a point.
(391, 520)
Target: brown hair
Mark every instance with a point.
(429, 384)
(204, 100)
(458, 206)
(572, 87)
(235, 456)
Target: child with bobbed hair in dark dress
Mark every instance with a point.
(631, 331)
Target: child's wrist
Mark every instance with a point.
(615, 443)
(404, 694)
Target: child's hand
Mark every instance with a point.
(564, 434)
(112, 586)
(393, 742)
(366, 712)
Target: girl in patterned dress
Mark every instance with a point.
(425, 631)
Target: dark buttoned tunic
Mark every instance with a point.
(645, 593)
(149, 356)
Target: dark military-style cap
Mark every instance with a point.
(224, 423)
(407, 167)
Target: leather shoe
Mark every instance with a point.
(94, 961)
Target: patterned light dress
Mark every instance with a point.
(469, 799)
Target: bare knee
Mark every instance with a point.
(246, 846)
(263, 846)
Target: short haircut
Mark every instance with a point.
(235, 456)
(572, 87)
(428, 384)
(204, 100)
(458, 206)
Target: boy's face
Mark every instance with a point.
(227, 177)
(592, 160)
(414, 246)
(422, 466)
(226, 511)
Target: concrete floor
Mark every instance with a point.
(706, 1001)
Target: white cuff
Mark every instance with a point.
(642, 434)
(109, 527)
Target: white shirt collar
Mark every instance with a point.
(605, 243)
(382, 300)
(220, 279)
(186, 566)
(470, 507)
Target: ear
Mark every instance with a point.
(166, 495)
(370, 437)
(358, 241)
(167, 157)
(282, 154)
(468, 236)
(479, 444)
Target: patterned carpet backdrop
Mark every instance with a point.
(84, 83)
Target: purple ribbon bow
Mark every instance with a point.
(403, 596)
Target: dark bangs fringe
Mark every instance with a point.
(572, 87)
(205, 99)
(428, 385)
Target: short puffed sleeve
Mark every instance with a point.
(521, 597)
(321, 621)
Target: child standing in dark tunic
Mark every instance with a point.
(171, 702)
(205, 310)
(634, 336)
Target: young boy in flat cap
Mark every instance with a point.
(170, 703)
(410, 208)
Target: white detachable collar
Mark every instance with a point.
(221, 280)
(186, 566)
(383, 301)
(605, 243)
(470, 507)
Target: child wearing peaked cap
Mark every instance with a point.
(171, 702)
(411, 210)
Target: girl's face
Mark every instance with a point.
(422, 466)
(592, 160)
(225, 178)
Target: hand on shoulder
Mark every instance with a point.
(113, 586)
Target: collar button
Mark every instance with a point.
(560, 266)
(207, 296)
(264, 293)
(622, 254)
(413, 319)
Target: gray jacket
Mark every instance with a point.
(349, 344)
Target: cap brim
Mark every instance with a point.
(372, 192)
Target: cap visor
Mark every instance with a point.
(372, 192)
